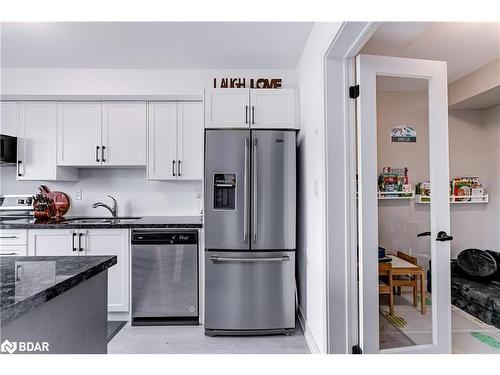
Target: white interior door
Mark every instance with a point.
(368, 70)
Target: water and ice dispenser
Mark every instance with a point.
(224, 191)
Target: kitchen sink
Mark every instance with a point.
(101, 220)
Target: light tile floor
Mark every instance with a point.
(419, 327)
(192, 340)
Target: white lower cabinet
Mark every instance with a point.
(112, 242)
(90, 242)
(52, 242)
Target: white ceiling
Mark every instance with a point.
(173, 45)
(466, 46)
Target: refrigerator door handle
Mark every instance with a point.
(245, 191)
(216, 259)
(255, 173)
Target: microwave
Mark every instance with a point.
(8, 149)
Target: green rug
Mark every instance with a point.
(486, 339)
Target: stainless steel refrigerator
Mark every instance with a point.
(250, 196)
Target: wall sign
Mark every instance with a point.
(252, 83)
(403, 133)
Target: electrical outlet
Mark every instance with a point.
(78, 195)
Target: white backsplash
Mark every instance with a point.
(135, 194)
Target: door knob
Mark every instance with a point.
(443, 236)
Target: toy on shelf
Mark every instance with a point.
(464, 189)
(394, 183)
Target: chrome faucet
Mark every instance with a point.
(112, 210)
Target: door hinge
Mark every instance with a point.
(354, 91)
(356, 349)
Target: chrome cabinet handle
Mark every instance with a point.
(254, 156)
(216, 259)
(179, 169)
(73, 241)
(19, 274)
(102, 153)
(97, 154)
(173, 167)
(19, 162)
(246, 114)
(8, 237)
(253, 114)
(8, 253)
(245, 192)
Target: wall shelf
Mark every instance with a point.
(453, 199)
(395, 195)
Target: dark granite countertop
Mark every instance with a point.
(144, 222)
(39, 279)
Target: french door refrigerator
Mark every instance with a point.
(250, 194)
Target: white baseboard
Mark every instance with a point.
(311, 342)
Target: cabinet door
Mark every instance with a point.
(124, 133)
(112, 242)
(36, 146)
(79, 134)
(162, 141)
(273, 108)
(52, 242)
(190, 141)
(8, 124)
(227, 108)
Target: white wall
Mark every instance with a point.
(124, 81)
(311, 245)
(136, 195)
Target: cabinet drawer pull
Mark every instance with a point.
(179, 169)
(102, 153)
(7, 237)
(97, 153)
(173, 167)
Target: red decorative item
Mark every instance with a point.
(50, 204)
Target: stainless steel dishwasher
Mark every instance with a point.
(164, 277)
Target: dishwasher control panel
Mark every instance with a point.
(154, 237)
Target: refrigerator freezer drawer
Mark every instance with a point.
(250, 291)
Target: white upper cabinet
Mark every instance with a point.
(101, 134)
(227, 108)
(36, 144)
(190, 141)
(124, 133)
(8, 124)
(79, 134)
(273, 108)
(254, 108)
(162, 138)
(175, 136)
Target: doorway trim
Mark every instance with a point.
(340, 150)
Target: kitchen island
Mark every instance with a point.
(54, 304)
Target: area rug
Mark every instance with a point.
(114, 327)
